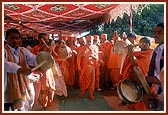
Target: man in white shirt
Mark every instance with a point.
(16, 67)
(156, 65)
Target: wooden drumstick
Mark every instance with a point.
(39, 65)
(44, 43)
(142, 79)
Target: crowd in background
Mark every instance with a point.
(88, 63)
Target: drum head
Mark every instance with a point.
(129, 91)
(43, 55)
(120, 47)
(64, 51)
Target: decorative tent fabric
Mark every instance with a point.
(65, 18)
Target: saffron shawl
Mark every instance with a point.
(18, 83)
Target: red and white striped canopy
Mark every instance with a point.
(64, 18)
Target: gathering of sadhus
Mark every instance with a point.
(90, 64)
(60, 57)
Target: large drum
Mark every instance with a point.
(129, 91)
(44, 61)
(120, 47)
(64, 51)
(45, 56)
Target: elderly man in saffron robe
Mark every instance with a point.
(114, 62)
(81, 47)
(99, 65)
(46, 85)
(72, 62)
(106, 47)
(142, 60)
(64, 53)
(87, 59)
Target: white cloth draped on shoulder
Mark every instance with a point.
(60, 86)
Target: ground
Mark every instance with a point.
(105, 100)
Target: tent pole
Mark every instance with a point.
(60, 36)
(131, 18)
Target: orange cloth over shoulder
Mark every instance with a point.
(114, 60)
(143, 60)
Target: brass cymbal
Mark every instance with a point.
(129, 91)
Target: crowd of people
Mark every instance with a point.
(88, 63)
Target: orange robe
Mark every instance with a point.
(36, 49)
(64, 64)
(106, 48)
(95, 51)
(46, 85)
(101, 67)
(72, 67)
(80, 54)
(78, 61)
(64, 67)
(86, 60)
(114, 64)
(143, 61)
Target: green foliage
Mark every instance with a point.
(143, 21)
